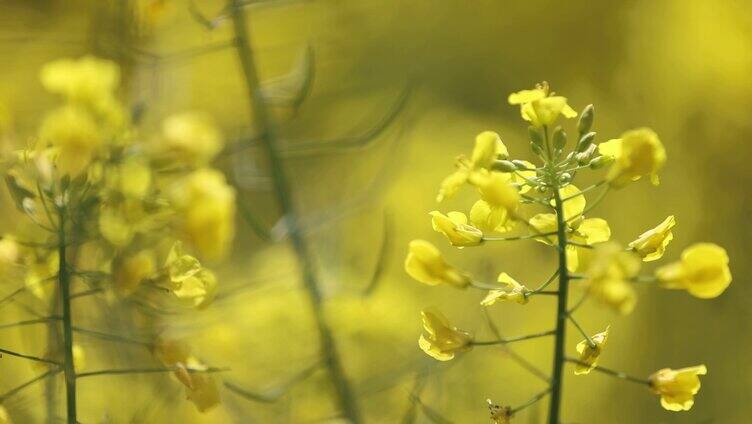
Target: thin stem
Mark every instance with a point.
(29, 322)
(581, 330)
(29, 357)
(110, 337)
(122, 371)
(585, 190)
(513, 339)
(268, 139)
(524, 237)
(644, 279)
(532, 401)
(17, 389)
(546, 283)
(86, 293)
(578, 304)
(613, 373)
(561, 313)
(68, 365)
(524, 363)
(592, 205)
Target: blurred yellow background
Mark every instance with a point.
(680, 67)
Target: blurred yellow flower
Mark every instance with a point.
(488, 148)
(79, 357)
(191, 137)
(114, 226)
(87, 79)
(425, 264)
(75, 135)
(588, 355)
(609, 271)
(9, 253)
(639, 153)
(455, 227)
(540, 109)
(513, 291)
(651, 244)
(677, 388)
(442, 341)
(4, 417)
(206, 207)
(703, 271)
(131, 270)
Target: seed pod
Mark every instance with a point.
(586, 119)
(560, 138)
(504, 166)
(585, 141)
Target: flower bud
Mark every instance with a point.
(560, 138)
(504, 166)
(535, 136)
(521, 164)
(600, 162)
(585, 141)
(537, 149)
(565, 178)
(586, 119)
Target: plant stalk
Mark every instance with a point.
(68, 366)
(561, 313)
(267, 137)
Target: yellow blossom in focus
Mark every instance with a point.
(651, 244)
(455, 227)
(425, 264)
(540, 109)
(496, 189)
(489, 219)
(703, 271)
(131, 270)
(488, 148)
(677, 388)
(441, 340)
(76, 137)
(198, 290)
(639, 153)
(513, 291)
(588, 355)
(192, 137)
(206, 207)
(608, 275)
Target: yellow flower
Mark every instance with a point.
(88, 79)
(588, 355)
(608, 275)
(639, 153)
(130, 271)
(488, 219)
(540, 109)
(488, 148)
(579, 229)
(206, 206)
(442, 341)
(199, 289)
(192, 137)
(200, 387)
(75, 135)
(677, 388)
(132, 178)
(114, 226)
(703, 271)
(651, 244)
(9, 253)
(513, 291)
(454, 226)
(496, 189)
(425, 264)
(4, 417)
(79, 357)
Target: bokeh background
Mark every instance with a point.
(422, 78)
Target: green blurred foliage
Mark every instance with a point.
(680, 67)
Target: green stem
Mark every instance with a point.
(581, 330)
(513, 339)
(29, 357)
(532, 401)
(525, 237)
(612, 373)
(583, 191)
(561, 314)
(263, 122)
(68, 366)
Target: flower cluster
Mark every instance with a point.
(518, 200)
(110, 210)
